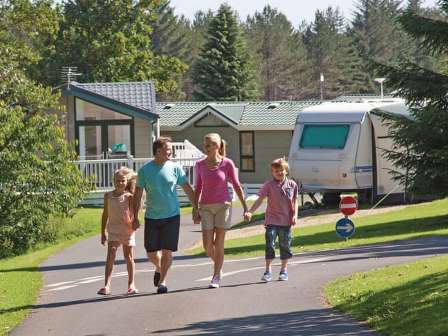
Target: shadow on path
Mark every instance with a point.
(114, 297)
(403, 248)
(318, 322)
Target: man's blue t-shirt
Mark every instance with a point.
(160, 183)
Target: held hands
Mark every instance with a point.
(135, 224)
(196, 216)
(294, 220)
(103, 238)
(247, 216)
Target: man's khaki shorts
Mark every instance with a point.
(216, 215)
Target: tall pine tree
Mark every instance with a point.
(378, 36)
(223, 70)
(333, 54)
(279, 54)
(423, 136)
(170, 34)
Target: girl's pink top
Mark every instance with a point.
(120, 215)
(211, 184)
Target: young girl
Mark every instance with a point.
(281, 214)
(116, 229)
(211, 192)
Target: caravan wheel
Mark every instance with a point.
(365, 196)
(330, 198)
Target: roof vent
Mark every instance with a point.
(273, 105)
(168, 106)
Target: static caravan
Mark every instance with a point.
(339, 147)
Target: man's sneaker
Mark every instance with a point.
(156, 279)
(215, 282)
(267, 276)
(283, 276)
(162, 289)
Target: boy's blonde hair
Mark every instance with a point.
(280, 164)
(216, 138)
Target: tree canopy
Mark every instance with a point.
(111, 41)
(38, 178)
(421, 142)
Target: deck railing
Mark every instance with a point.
(186, 150)
(101, 172)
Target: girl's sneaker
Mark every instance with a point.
(267, 276)
(104, 291)
(283, 276)
(215, 282)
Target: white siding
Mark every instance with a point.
(143, 131)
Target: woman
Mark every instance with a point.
(215, 203)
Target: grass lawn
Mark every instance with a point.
(20, 280)
(415, 221)
(407, 300)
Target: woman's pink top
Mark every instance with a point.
(120, 215)
(211, 184)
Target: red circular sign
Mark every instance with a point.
(348, 205)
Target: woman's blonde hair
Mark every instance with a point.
(216, 138)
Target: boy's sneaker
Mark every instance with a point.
(283, 276)
(215, 282)
(162, 289)
(267, 276)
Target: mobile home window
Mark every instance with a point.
(247, 152)
(324, 136)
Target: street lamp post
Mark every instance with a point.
(321, 86)
(381, 81)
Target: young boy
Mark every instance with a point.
(281, 214)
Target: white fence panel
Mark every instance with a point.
(101, 172)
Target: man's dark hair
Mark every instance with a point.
(159, 143)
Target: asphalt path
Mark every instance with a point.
(68, 304)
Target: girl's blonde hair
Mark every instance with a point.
(216, 138)
(131, 177)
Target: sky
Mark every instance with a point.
(295, 10)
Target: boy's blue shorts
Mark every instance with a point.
(284, 239)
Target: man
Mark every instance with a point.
(159, 178)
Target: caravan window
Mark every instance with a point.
(324, 136)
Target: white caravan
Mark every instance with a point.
(338, 147)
